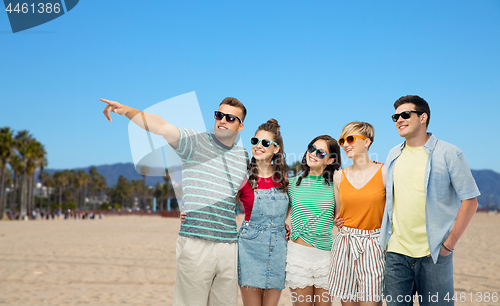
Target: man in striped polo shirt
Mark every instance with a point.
(213, 170)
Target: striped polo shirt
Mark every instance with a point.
(212, 174)
(312, 213)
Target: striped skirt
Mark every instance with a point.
(357, 266)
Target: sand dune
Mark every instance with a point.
(131, 260)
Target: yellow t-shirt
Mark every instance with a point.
(409, 235)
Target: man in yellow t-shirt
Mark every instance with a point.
(430, 202)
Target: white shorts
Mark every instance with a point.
(207, 273)
(357, 268)
(306, 266)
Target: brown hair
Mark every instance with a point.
(236, 103)
(278, 160)
(420, 105)
(334, 149)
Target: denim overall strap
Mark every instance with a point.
(268, 210)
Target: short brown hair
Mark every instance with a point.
(236, 103)
(420, 105)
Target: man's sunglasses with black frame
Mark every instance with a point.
(405, 115)
(319, 153)
(229, 118)
(266, 143)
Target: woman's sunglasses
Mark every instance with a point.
(319, 153)
(265, 142)
(229, 118)
(405, 115)
(350, 139)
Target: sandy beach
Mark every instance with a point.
(131, 260)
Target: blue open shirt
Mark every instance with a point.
(448, 181)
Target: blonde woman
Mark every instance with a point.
(357, 267)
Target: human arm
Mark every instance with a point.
(464, 218)
(149, 122)
(287, 226)
(337, 221)
(466, 189)
(246, 197)
(384, 174)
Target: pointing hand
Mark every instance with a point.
(114, 107)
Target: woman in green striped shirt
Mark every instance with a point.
(312, 211)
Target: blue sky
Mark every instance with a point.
(312, 65)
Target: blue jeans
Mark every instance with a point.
(405, 276)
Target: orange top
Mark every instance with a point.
(362, 208)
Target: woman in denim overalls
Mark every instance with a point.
(262, 243)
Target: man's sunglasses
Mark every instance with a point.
(350, 139)
(229, 118)
(265, 142)
(319, 153)
(405, 115)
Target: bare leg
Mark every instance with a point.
(251, 296)
(352, 303)
(302, 297)
(370, 303)
(271, 297)
(259, 297)
(321, 297)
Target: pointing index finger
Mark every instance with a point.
(106, 101)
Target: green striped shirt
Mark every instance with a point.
(212, 174)
(312, 211)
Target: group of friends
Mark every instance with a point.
(398, 222)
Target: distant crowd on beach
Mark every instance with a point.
(54, 214)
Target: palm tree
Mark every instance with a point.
(137, 189)
(122, 190)
(23, 139)
(158, 194)
(48, 182)
(3, 191)
(97, 185)
(6, 152)
(72, 192)
(144, 173)
(62, 180)
(94, 175)
(168, 189)
(9, 182)
(35, 155)
(17, 166)
(40, 162)
(148, 197)
(82, 180)
(30, 170)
